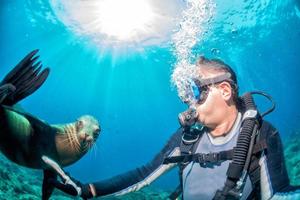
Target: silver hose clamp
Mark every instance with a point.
(250, 114)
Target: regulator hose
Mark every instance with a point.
(248, 126)
(240, 153)
(237, 170)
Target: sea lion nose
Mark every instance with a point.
(86, 138)
(83, 136)
(89, 139)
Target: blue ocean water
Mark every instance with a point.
(129, 89)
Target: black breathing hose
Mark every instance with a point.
(239, 157)
(268, 97)
(244, 138)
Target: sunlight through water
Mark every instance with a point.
(118, 22)
(126, 19)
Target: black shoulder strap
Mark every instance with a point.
(188, 155)
(186, 148)
(254, 168)
(253, 171)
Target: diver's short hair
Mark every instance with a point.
(218, 66)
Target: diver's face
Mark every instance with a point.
(212, 109)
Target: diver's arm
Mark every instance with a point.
(140, 177)
(121, 184)
(274, 179)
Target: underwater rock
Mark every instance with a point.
(17, 182)
(4, 175)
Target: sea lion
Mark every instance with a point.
(24, 138)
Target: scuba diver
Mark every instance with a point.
(224, 148)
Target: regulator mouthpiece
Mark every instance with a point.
(188, 117)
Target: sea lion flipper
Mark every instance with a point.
(5, 90)
(31, 86)
(19, 68)
(47, 187)
(26, 77)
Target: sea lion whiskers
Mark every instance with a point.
(70, 137)
(66, 130)
(87, 146)
(71, 140)
(63, 139)
(67, 141)
(73, 128)
(78, 137)
(70, 130)
(75, 142)
(95, 149)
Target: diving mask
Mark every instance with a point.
(199, 88)
(197, 93)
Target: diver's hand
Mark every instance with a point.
(67, 184)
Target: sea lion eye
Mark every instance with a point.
(79, 124)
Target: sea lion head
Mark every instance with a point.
(75, 139)
(88, 130)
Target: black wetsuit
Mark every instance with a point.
(274, 177)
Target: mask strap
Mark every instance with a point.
(214, 80)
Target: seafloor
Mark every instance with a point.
(20, 183)
(17, 182)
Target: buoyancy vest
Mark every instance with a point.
(245, 156)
